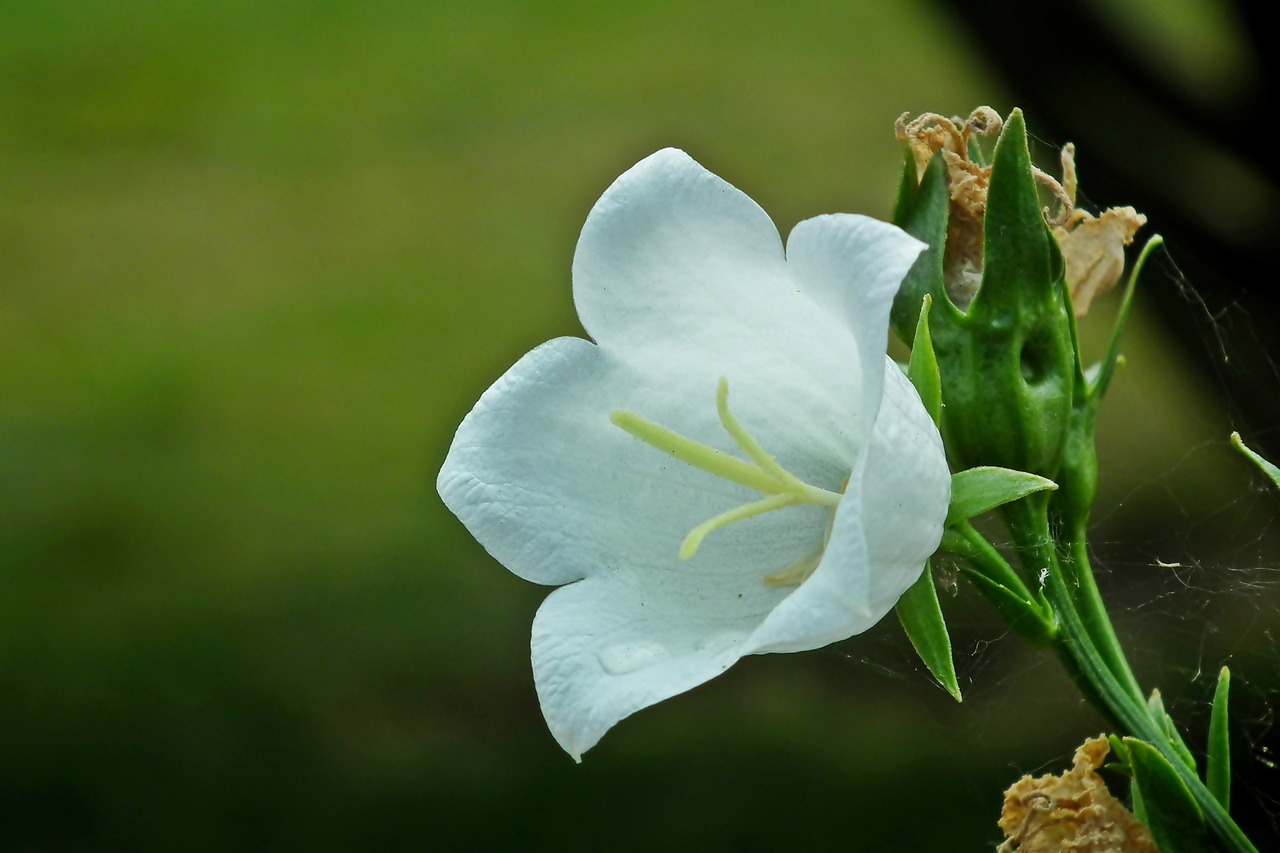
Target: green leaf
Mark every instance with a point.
(1267, 468)
(921, 617)
(1217, 771)
(1158, 714)
(922, 369)
(979, 490)
(1170, 812)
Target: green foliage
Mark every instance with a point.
(1217, 771)
(1167, 807)
(1155, 707)
(922, 210)
(918, 609)
(921, 617)
(980, 490)
(1016, 398)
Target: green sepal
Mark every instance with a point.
(922, 211)
(1029, 620)
(980, 490)
(1018, 272)
(922, 369)
(1266, 467)
(1167, 806)
(921, 617)
(1011, 404)
(1217, 770)
(908, 188)
(1158, 714)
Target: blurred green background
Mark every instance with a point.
(256, 262)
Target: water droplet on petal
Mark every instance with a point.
(629, 657)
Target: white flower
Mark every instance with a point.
(595, 466)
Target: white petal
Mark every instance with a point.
(609, 646)
(832, 604)
(555, 492)
(906, 491)
(887, 524)
(852, 266)
(675, 264)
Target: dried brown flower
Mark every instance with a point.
(966, 184)
(1071, 813)
(1092, 246)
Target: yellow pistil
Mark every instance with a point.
(762, 473)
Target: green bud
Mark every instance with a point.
(1006, 352)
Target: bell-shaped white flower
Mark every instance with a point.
(734, 467)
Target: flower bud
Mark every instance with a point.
(1006, 349)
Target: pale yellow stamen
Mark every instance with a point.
(762, 473)
(695, 454)
(691, 542)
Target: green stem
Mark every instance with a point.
(1028, 522)
(1094, 616)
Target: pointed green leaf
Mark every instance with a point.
(1022, 615)
(1217, 771)
(1157, 712)
(921, 617)
(1267, 468)
(979, 490)
(1171, 813)
(922, 369)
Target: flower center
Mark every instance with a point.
(758, 471)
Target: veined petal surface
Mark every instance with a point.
(555, 492)
(888, 523)
(672, 259)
